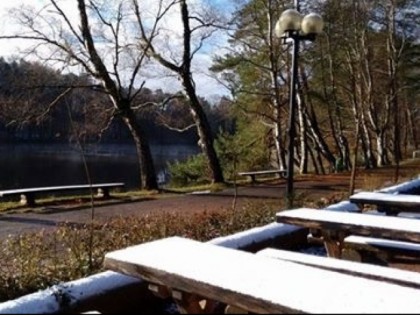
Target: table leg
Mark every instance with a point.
(189, 303)
(160, 291)
(333, 242)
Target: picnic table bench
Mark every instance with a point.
(27, 195)
(391, 204)
(201, 276)
(335, 226)
(253, 174)
(386, 249)
(391, 275)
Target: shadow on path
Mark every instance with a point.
(35, 221)
(28, 220)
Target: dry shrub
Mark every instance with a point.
(35, 261)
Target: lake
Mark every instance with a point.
(37, 165)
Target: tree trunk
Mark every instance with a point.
(314, 161)
(370, 161)
(148, 179)
(380, 148)
(147, 170)
(411, 128)
(322, 147)
(393, 87)
(334, 114)
(354, 163)
(204, 130)
(281, 159)
(274, 75)
(303, 166)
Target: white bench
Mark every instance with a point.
(253, 174)
(391, 275)
(197, 274)
(391, 204)
(27, 195)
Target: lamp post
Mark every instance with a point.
(296, 27)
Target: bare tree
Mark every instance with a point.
(101, 42)
(183, 71)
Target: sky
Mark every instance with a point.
(206, 86)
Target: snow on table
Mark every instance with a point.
(257, 283)
(398, 228)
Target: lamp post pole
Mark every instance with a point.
(292, 110)
(292, 127)
(293, 25)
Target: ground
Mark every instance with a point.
(321, 190)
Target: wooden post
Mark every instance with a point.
(103, 192)
(27, 199)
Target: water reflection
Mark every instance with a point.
(48, 165)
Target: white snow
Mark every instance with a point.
(255, 235)
(410, 277)
(47, 301)
(385, 197)
(344, 206)
(404, 225)
(276, 282)
(382, 242)
(403, 187)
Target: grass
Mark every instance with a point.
(203, 187)
(72, 202)
(80, 201)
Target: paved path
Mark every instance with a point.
(13, 224)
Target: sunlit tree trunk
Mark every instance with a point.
(303, 147)
(274, 76)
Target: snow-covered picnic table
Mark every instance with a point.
(335, 226)
(389, 203)
(200, 276)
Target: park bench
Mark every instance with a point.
(391, 204)
(253, 174)
(201, 277)
(27, 195)
(335, 226)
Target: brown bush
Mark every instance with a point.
(35, 261)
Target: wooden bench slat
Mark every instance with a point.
(253, 174)
(379, 242)
(28, 198)
(365, 245)
(256, 283)
(262, 172)
(392, 275)
(57, 188)
(403, 201)
(397, 228)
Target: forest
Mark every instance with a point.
(33, 111)
(358, 82)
